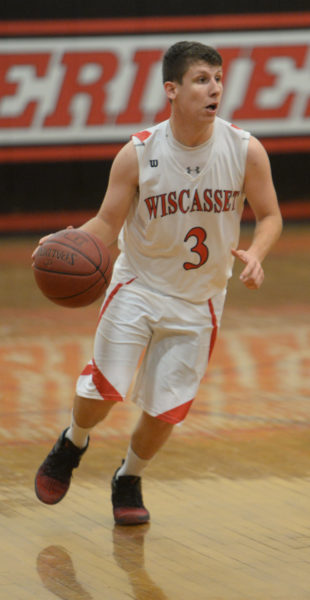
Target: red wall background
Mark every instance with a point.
(76, 81)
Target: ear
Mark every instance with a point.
(170, 89)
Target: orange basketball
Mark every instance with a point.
(72, 267)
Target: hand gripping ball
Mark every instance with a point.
(72, 267)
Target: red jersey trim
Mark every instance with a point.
(142, 135)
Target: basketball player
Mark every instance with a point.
(173, 204)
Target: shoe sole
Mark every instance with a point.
(131, 518)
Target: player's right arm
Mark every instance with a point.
(121, 191)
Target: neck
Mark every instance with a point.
(188, 135)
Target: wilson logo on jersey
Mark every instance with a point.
(216, 201)
(154, 162)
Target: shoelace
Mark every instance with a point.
(129, 492)
(60, 464)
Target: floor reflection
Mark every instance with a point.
(57, 574)
(128, 551)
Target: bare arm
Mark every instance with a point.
(262, 198)
(121, 190)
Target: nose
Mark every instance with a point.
(216, 87)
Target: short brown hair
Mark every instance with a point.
(181, 55)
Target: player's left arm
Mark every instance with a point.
(261, 195)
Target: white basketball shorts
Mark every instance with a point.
(175, 338)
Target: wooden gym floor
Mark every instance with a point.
(229, 495)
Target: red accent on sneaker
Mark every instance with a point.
(130, 515)
(48, 490)
(53, 477)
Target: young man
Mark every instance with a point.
(173, 203)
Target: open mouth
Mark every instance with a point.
(211, 107)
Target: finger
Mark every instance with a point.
(44, 238)
(40, 242)
(239, 254)
(255, 279)
(250, 285)
(253, 275)
(249, 270)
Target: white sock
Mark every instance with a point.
(77, 435)
(133, 465)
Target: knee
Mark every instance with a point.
(90, 410)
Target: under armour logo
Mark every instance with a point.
(154, 162)
(189, 170)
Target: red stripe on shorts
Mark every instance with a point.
(88, 369)
(214, 326)
(104, 387)
(112, 294)
(177, 414)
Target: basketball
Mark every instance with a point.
(72, 267)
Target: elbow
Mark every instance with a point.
(279, 220)
(277, 225)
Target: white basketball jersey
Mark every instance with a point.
(178, 236)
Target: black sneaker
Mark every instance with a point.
(128, 507)
(54, 475)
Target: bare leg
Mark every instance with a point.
(149, 436)
(53, 478)
(88, 412)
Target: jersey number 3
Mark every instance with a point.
(199, 248)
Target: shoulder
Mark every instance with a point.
(144, 137)
(125, 163)
(256, 148)
(232, 140)
(258, 176)
(230, 129)
(257, 157)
